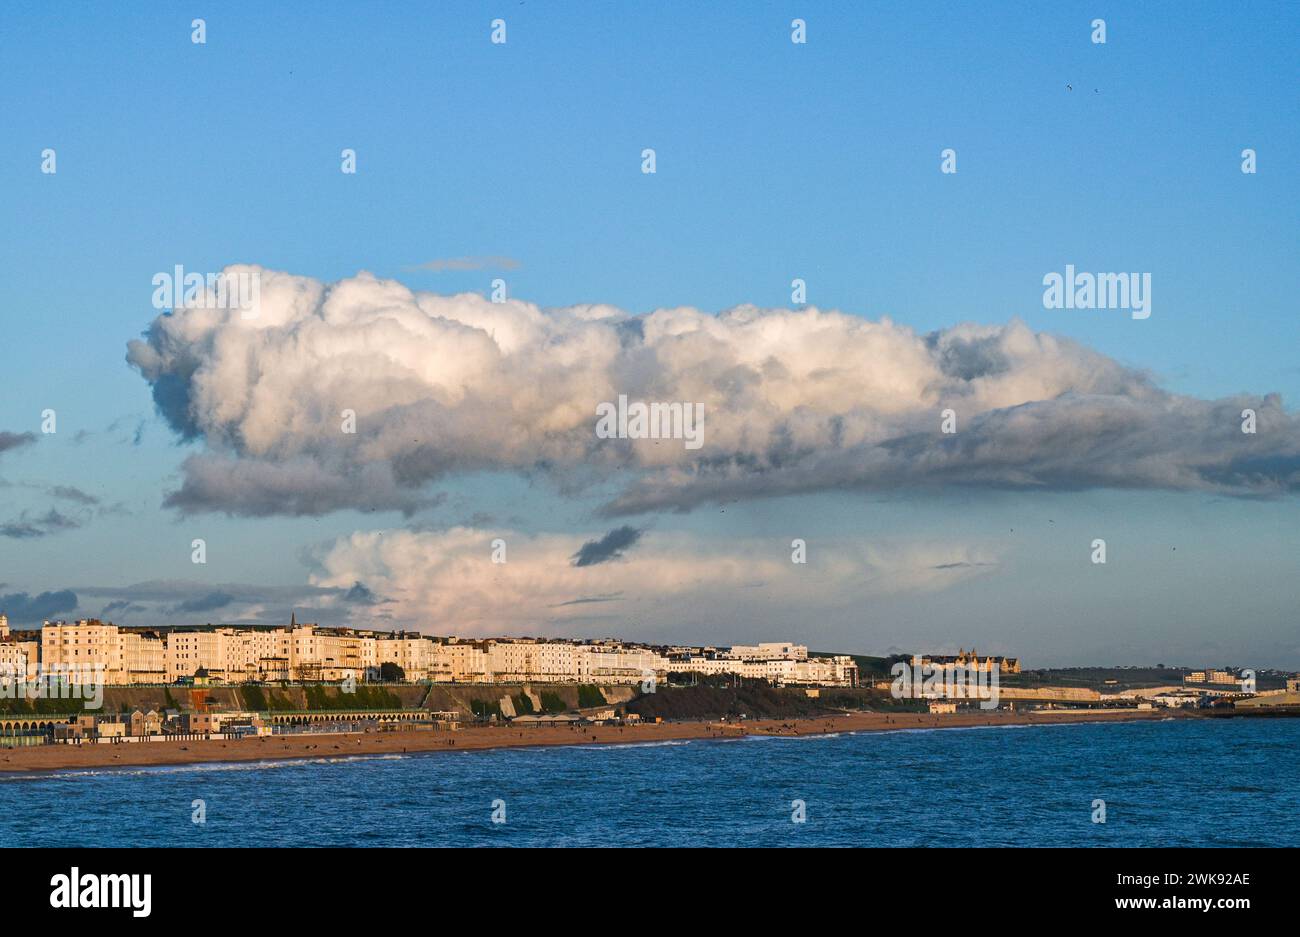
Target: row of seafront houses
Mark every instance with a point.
(308, 653)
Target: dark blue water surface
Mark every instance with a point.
(1178, 783)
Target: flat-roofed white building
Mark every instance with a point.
(144, 656)
(465, 661)
(619, 664)
(20, 652)
(230, 654)
(768, 650)
(13, 663)
(319, 655)
(123, 655)
(82, 644)
(413, 653)
(533, 661)
(795, 669)
(189, 651)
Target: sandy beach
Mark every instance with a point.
(58, 757)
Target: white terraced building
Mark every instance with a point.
(309, 653)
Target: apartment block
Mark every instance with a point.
(308, 653)
(415, 654)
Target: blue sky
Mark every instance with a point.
(775, 161)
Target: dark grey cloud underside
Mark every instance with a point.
(296, 488)
(23, 608)
(153, 601)
(1072, 443)
(15, 440)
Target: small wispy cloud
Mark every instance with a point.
(73, 494)
(458, 264)
(121, 605)
(29, 527)
(205, 603)
(590, 600)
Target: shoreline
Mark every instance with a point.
(46, 758)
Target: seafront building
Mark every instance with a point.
(309, 653)
(967, 662)
(780, 663)
(125, 655)
(17, 656)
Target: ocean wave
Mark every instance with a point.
(1009, 725)
(607, 746)
(806, 737)
(76, 774)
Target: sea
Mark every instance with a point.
(1185, 782)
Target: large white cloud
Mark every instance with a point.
(450, 578)
(794, 401)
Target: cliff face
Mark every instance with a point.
(125, 699)
(542, 697)
(758, 702)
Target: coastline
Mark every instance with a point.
(485, 738)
